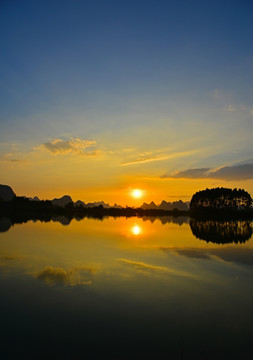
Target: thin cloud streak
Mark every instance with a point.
(12, 160)
(144, 266)
(141, 265)
(189, 174)
(143, 160)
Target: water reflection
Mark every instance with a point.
(180, 220)
(145, 267)
(219, 232)
(6, 223)
(62, 219)
(76, 276)
(222, 232)
(136, 230)
(126, 288)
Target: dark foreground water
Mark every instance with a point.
(126, 289)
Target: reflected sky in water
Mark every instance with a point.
(125, 288)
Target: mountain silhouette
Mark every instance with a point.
(96, 204)
(6, 193)
(167, 206)
(63, 201)
(150, 206)
(35, 198)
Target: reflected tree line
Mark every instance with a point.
(7, 221)
(222, 232)
(215, 231)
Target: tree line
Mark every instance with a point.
(221, 199)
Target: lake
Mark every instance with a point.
(126, 288)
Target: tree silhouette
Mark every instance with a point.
(221, 198)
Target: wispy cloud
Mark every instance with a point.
(142, 159)
(237, 172)
(11, 161)
(11, 158)
(141, 266)
(76, 276)
(190, 253)
(228, 254)
(229, 105)
(74, 145)
(189, 174)
(239, 109)
(230, 108)
(233, 172)
(8, 257)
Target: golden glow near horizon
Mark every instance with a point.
(101, 178)
(54, 173)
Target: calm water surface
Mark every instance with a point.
(126, 289)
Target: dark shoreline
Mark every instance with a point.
(21, 210)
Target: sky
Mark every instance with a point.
(101, 97)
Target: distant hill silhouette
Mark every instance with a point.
(81, 204)
(150, 206)
(167, 206)
(35, 198)
(6, 193)
(63, 201)
(91, 205)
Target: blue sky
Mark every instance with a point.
(143, 75)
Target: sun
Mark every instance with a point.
(137, 193)
(136, 230)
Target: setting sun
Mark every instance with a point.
(137, 193)
(136, 230)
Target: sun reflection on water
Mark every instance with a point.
(136, 230)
